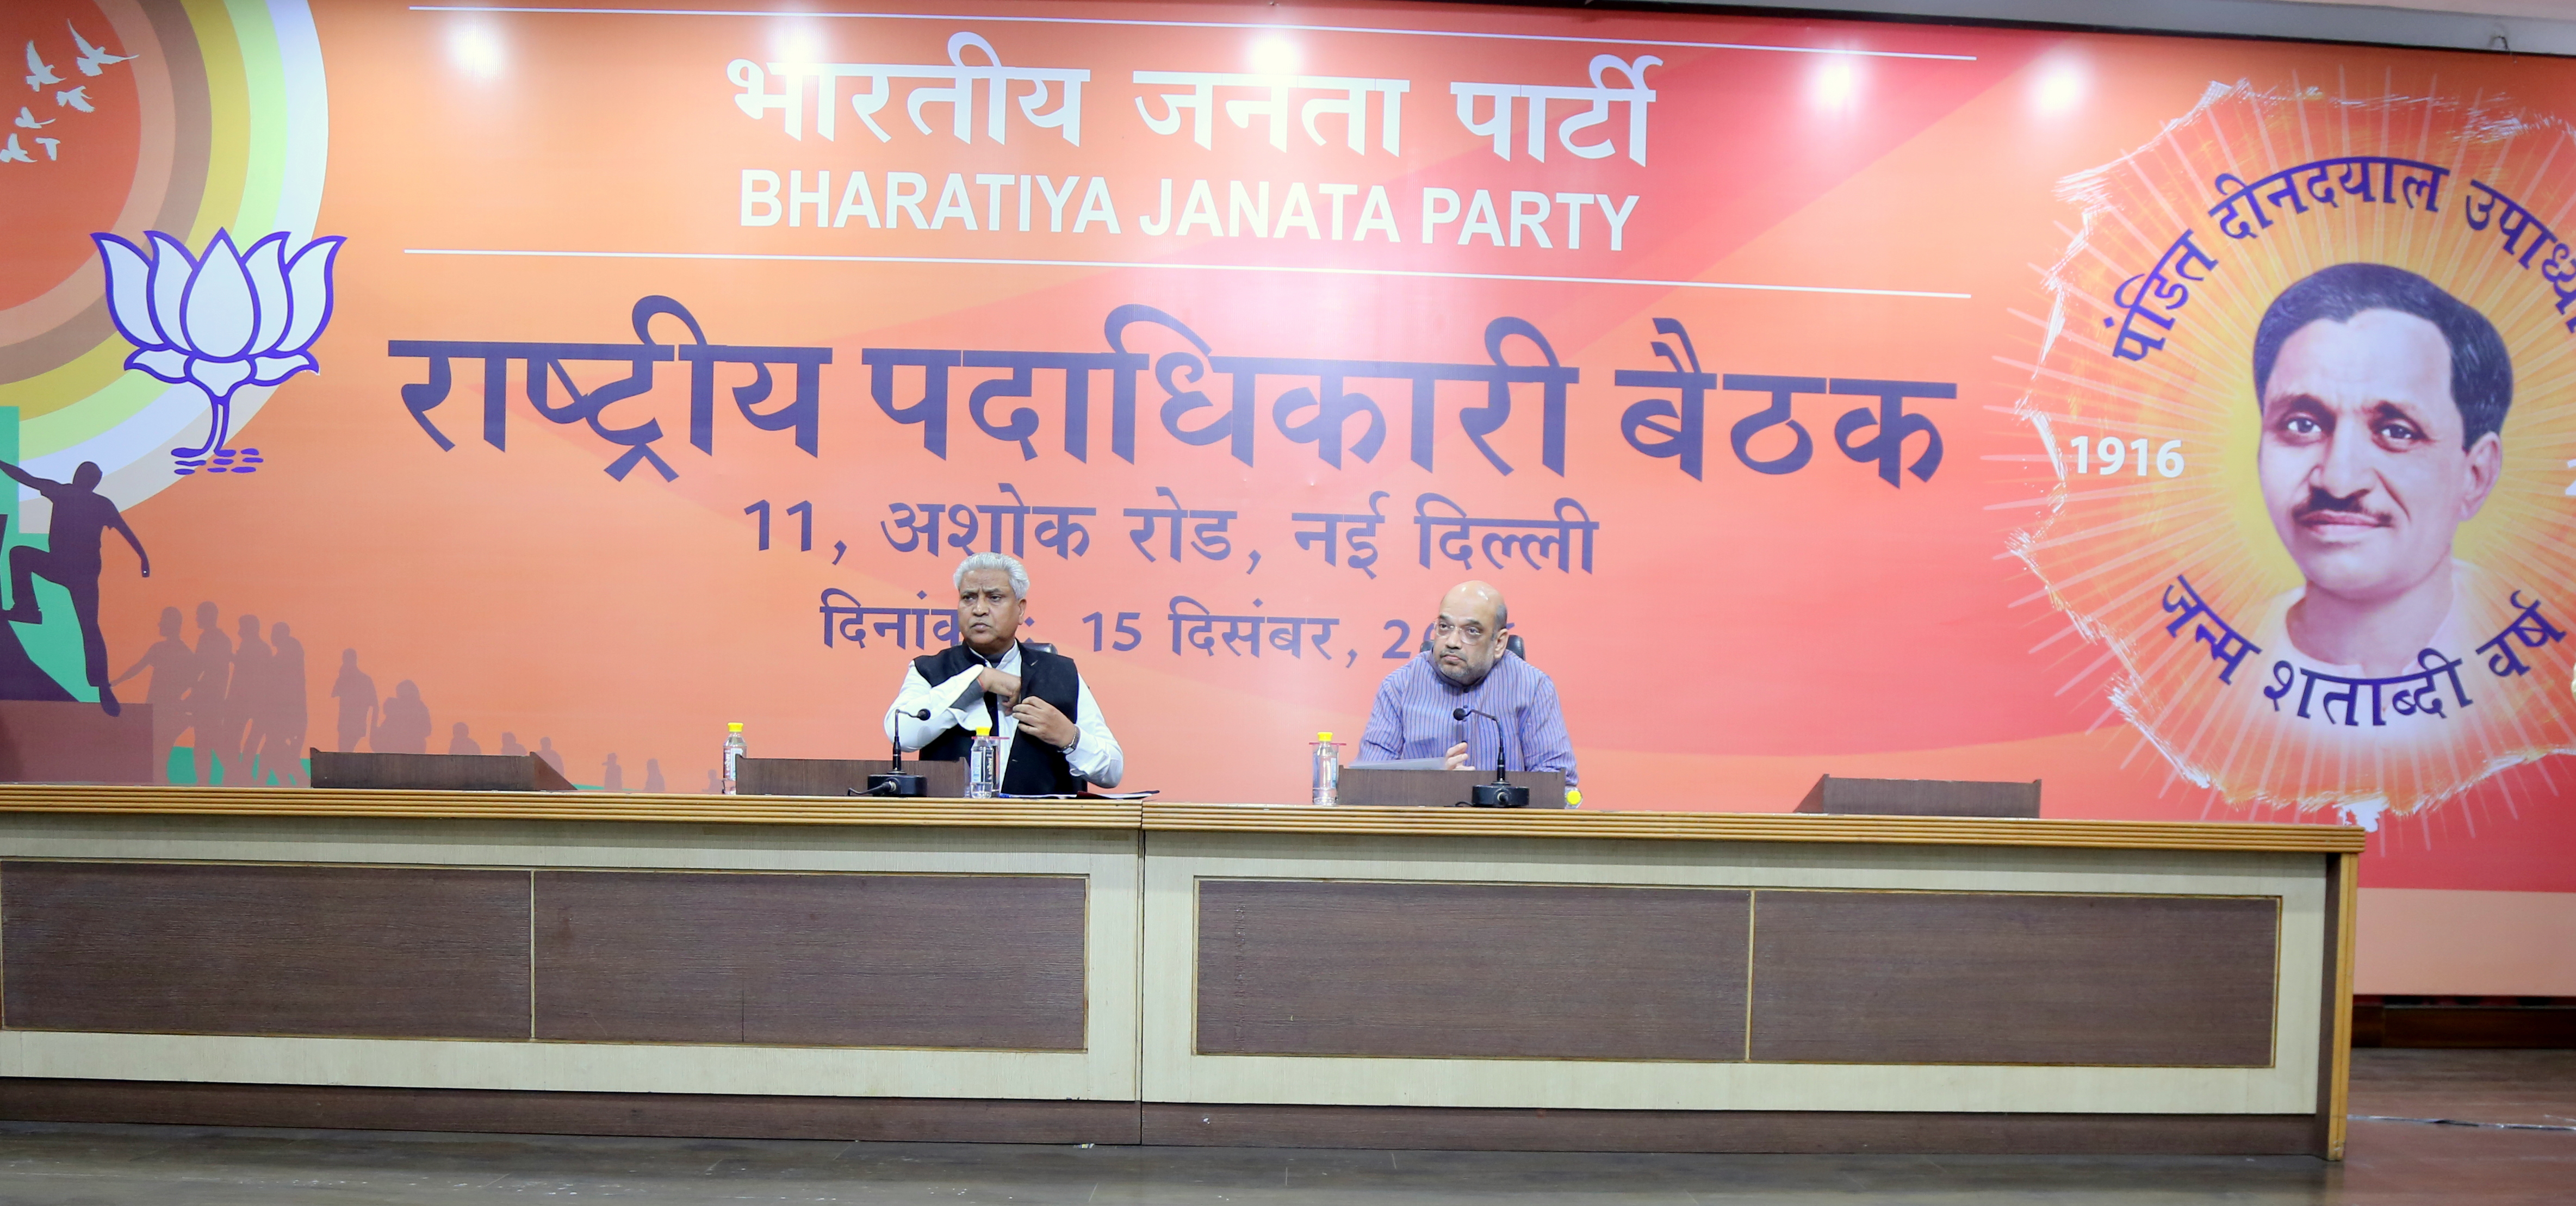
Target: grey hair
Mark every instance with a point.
(995, 561)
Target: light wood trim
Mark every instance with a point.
(1200, 818)
(1758, 827)
(565, 806)
(2347, 873)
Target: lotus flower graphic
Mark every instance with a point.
(219, 321)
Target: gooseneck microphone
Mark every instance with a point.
(1500, 793)
(898, 783)
(916, 714)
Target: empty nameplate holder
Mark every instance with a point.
(839, 776)
(436, 772)
(1440, 788)
(1921, 798)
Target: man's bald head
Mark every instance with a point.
(1483, 599)
(1468, 638)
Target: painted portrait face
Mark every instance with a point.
(2362, 465)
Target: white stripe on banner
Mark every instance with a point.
(1307, 269)
(1359, 29)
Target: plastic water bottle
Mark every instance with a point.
(732, 753)
(984, 766)
(1328, 770)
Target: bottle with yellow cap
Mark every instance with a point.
(984, 765)
(1328, 769)
(732, 753)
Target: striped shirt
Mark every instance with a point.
(1415, 717)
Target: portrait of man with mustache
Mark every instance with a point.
(2383, 400)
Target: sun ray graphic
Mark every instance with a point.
(2154, 535)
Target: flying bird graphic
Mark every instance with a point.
(27, 119)
(39, 72)
(91, 58)
(77, 98)
(13, 153)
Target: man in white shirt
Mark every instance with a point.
(1053, 738)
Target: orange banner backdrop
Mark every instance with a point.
(1870, 399)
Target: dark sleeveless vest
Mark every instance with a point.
(1035, 768)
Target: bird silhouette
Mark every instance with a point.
(13, 153)
(27, 119)
(39, 72)
(53, 147)
(77, 98)
(91, 58)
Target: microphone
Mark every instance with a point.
(1500, 793)
(898, 783)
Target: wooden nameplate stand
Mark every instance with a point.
(837, 776)
(55, 741)
(1441, 788)
(436, 772)
(1921, 798)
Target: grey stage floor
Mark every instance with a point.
(2390, 1162)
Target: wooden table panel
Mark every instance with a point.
(1527, 971)
(386, 952)
(958, 961)
(2013, 978)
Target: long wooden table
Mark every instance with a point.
(1174, 974)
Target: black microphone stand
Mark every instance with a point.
(898, 783)
(1501, 793)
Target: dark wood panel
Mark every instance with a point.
(2473, 1026)
(897, 1119)
(1437, 1128)
(1294, 967)
(672, 1115)
(2013, 978)
(980, 961)
(395, 952)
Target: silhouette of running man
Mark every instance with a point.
(71, 558)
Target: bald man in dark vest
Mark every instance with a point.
(1053, 738)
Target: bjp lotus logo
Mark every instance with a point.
(219, 321)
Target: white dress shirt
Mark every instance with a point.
(959, 703)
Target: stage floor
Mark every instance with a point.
(2390, 1162)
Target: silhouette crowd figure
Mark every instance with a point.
(241, 700)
